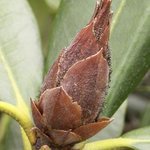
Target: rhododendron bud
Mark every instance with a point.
(74, 89)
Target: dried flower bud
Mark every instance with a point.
(74, 89)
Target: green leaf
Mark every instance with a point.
(138, 139)
(141, 138)
(115, 128)
(129, 42)
(21, 62)
(43, 17)
(130, 36)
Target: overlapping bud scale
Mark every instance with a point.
(75, 87)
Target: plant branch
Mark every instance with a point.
(21, 117)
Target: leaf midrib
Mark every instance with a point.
(19, 98)
(135, 39)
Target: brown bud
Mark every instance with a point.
(74, 89)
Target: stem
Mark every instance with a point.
(26, 142)
(21, 117)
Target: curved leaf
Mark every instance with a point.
(130, 36)
(138, 139)
(141, 138)
(20, 53)
(21, 62)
